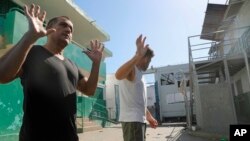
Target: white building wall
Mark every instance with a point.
(111, 81)
(241, 76)
(243, 15)
(241, 20)
(151, 95)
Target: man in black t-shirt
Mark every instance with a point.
(49, 80)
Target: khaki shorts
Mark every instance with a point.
(134, 131)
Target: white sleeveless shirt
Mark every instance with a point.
(133, 100)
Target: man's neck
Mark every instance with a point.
(139, 67)
(54, 48)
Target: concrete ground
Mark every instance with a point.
(161, 133)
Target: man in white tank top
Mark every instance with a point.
(133, 99)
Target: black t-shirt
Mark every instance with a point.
(49, 86)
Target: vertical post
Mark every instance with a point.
(191, 79)
(157, 103)
(194, 88)
(109, 110)
(82, 110)
(187, 105)
(242, 45)
(230, 88)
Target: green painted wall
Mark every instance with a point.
(13, 25)
(1, 25)
(75, 54)
(10, 108)
(1, 31)
(12, 31)
(89, 104)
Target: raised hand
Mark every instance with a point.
(95, 53)
(36, 19)
(141, 47)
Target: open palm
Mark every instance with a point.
(95, 53)
(141, 47)
(36, 20)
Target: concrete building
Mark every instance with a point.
(169, 96)
(13, 24)
(219, 67)
(151, 95)
(112, 96)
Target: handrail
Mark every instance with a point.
(93, 109)
(219, 31)
(100, 105)
(100, 110)
(105, 117)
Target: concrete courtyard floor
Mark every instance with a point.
(161, 133)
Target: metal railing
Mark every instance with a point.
(234, 44)
(98, 112)
(101, 113)
(202, 50)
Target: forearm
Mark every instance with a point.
(92, 81)
(148, 114)
(126, 68)
(12, 61)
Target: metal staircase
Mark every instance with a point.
(95, 117)
(213, 62)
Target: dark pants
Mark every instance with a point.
(134, 131)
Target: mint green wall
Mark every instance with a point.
(88, 104)
(13, 26)
(1, 25)
(10, 108)
(1, 31)
(75, 54)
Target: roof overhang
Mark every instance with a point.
(85, 28)
(213, 18)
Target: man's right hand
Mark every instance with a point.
(36, 20)
(141, 47)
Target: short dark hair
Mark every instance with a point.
(149, 53)
(54, 20)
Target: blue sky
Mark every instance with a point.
(166, 23)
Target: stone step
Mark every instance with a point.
(87, 125)
(91, 128)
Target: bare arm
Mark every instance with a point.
(126, 71)
(11, 63)
(88, 87)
